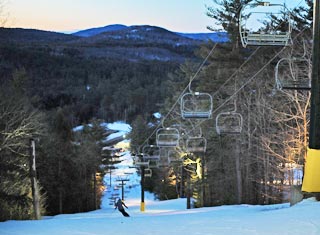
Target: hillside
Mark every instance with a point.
(139, 42)
(94, 31)
(90, 74)
(132, 43)
(214, 36)
(20, 35)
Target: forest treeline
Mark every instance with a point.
(261, 163)
(51, 83)
(49, 87)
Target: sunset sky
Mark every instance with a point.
(72, 15)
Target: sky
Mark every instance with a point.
(73, 15)
(186, 16)
(171, 216)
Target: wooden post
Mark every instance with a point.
(34, 185)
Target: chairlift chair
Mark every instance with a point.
(174, 158)
(154, 163)
(139, 161)
(196, 105)
(251, 17)
(147, 172)
(293, 73)
(229, 123)
(163, 161)
(196, 144)
(151, 153)
(167, 137)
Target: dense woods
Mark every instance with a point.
(260, 164)
(52, 82)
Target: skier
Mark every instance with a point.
(119, 204)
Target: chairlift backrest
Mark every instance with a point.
(253, 32)
(196, 105)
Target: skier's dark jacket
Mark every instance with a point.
(119, 204)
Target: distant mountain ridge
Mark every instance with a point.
(22, 35)
(133, 43)
(214, 36)
(94, 31)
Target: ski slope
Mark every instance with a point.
(171, 217)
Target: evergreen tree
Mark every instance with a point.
(226, 13)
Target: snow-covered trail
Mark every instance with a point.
(172, 218)
(168, 218)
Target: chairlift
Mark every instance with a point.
(151, 152)
(229, 123)
(196, 105)
(139, 161)
(163, 161)
(196, 144)
(147, 172)
(174, 157)
(293, 73)
(167, 137)
(154, 163)
(251, 16)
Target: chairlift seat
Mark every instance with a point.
(200, 115)
(296, 85)
(262, 39)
